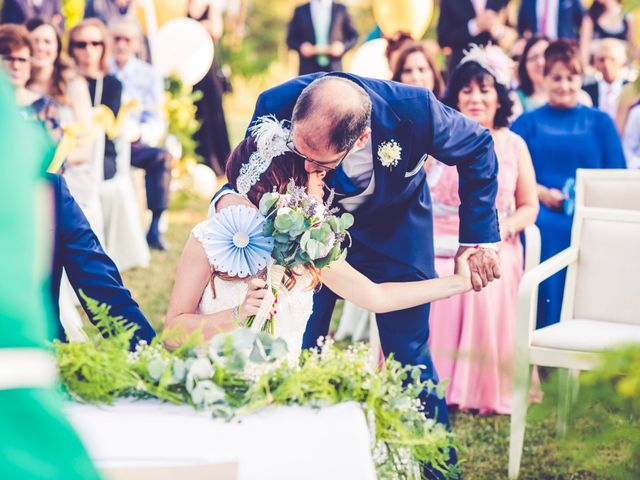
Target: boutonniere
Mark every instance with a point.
(389, 154)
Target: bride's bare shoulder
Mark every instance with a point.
(230, 200)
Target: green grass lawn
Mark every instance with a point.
(483, 441)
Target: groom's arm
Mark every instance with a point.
(458, 141)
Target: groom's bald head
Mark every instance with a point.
(331, 113)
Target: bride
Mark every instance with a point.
(203, 298)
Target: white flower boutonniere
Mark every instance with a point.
(389, 154)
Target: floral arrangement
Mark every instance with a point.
(180, 111)
(306, 232)
(240, 372)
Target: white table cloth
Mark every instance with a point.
(278, 443)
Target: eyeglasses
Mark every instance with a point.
(12, 60)
(121, 38)
(83, 45)
(325, 166)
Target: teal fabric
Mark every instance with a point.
(36, 441)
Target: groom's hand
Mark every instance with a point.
(484, 265)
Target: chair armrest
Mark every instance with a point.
(528, 292)
(533, 244)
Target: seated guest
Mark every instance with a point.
(53, 76)
(16, 52)
(606, 19)
(21, 11)
(552, 18)
(563, 136)
(609, 59)
(463, 22)
(631, 138)
(89, 44)
(89, 268)
(531, 90)
(412, 64)
(473, 335)
(146, 128)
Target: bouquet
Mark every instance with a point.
(306, 234)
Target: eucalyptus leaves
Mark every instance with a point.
(305, 232)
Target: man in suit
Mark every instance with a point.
(373, 137)
(553, 18)
(609, 59)
(463, 22)
(89, 268)
(20, 11)
(321, 32)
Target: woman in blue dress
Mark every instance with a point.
(563, 136)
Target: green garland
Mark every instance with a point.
(240, 372)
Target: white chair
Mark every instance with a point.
(619, 189)
(599, 311)
(125, 240)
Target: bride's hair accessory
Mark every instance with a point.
(270, 135)
(493, 60)
(235, 243)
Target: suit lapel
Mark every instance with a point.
(386, 126)
(306, 10)
(333, 22)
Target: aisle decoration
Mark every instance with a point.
(242, 371)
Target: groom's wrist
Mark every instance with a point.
(489, 246)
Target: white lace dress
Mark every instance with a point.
(293, 310)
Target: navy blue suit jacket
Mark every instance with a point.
(570, 13)
(89, 268)
(396, 221)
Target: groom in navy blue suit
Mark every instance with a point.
(373, 137)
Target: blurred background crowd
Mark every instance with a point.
(152, 87)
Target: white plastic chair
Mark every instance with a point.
(125, 240)
(599, 311)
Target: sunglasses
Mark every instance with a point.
(83, 45)
(328, 166)
(11, 60)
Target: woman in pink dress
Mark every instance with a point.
(473, 335)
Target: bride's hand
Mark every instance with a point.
(462, 269)
(254, 297)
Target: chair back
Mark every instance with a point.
(603, 285)
(608, 188)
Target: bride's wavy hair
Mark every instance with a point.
(279, 173)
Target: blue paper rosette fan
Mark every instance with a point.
(235, 242)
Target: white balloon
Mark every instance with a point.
(370, 60)
(203, 180)
(183, 47)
